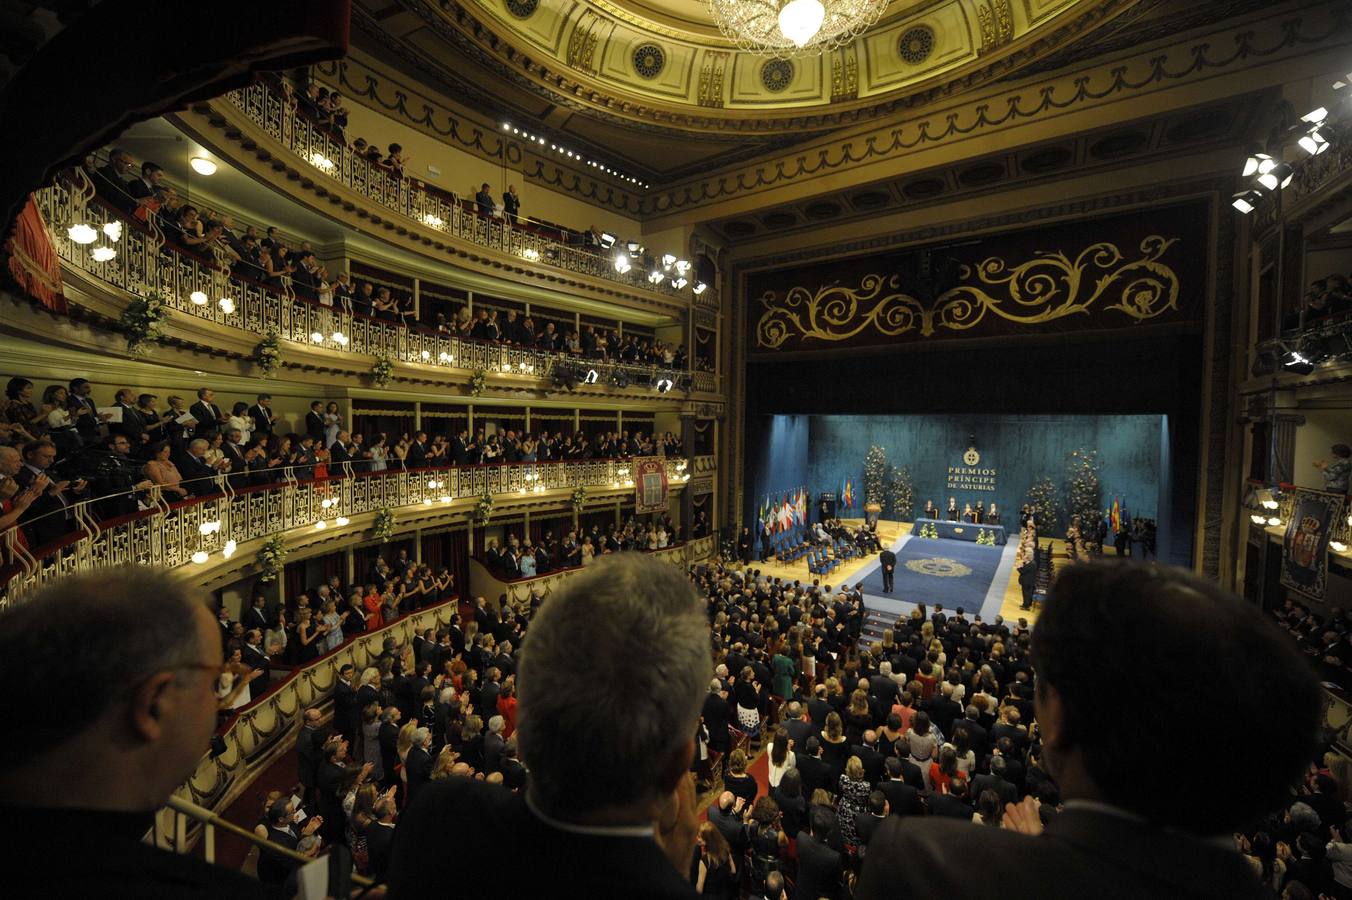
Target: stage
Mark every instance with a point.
(956, 573)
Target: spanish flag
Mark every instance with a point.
(1116, 518)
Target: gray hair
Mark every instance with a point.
(127, 623)
(198, 444)
(884, 668)
(601, 728)
(447, 695)
(421, 736)
(496, 724)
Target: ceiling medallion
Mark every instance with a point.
(776, 74)
(522, 9)
(916, 44)
(794, 27)
(649, 60)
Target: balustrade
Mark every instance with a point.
(188, 533)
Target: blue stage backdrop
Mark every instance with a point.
(819, 451)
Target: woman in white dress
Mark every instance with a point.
(379, 453)
(333, 423)
(588, 552)
(241, 421)
(232, 688)
(781, 757)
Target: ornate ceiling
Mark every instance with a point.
(615, 73)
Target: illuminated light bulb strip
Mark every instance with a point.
(538, 141)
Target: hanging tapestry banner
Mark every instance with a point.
(650, 484)
(1305, 547)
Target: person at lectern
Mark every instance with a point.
(931, 511)
(888, 560)
(953, 514)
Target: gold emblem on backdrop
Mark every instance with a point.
(1048, 287)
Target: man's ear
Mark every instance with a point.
(150, 707)
(678, 764)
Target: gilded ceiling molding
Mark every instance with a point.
(711, 77)
(377, 91)
(467, 30)
(1048, 287)
(1151, 70)
(844, 74)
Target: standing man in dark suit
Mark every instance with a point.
(346, 716)
(262, 416)
(816, 772)
(744, 546)
(1028, 581)
(874, 762)
(84, 411)
(902, 798)
(380, 836)
(819, 867)
(418, 762)
(867, 821)
(209, 416)
(309, 741)
(717, 717)
(888, 560)
(133, 425)
(417, 451)
(314, 422)
(1135, 836)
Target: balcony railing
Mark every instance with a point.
(330, 157)
(144, 266)
(172, 535)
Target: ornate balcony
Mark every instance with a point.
(195, 286)
(331, 157)
(192, 532)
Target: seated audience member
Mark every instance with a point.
(609, 809)
(1124, 832)
(79, 788)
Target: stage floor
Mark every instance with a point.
(1005, 583)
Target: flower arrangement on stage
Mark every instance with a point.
(477, 381)
(579, 497)
(902, 489)
(269, 353)
(1045, 506)
(271, 558)
(383, 529)
(928, 530)
(875, 471)
(1082, 486)
(483, 510)
(985, 537)
(382, 371)
(143, 323)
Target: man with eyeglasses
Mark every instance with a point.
(109, 705)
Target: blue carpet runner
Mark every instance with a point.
(954, 573)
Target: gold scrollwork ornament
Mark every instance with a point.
(1048, 287)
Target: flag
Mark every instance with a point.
(848, 494)
(785, 515)
(802, 506)
(1116, 516)
(765, 511)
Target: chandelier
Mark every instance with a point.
(794, 27)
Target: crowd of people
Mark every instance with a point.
(270, 258)
(65, 447)
(555, 743)
(522, 558)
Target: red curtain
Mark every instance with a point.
(33, 261)
(434, 550)
(457, 558)
(295, 581)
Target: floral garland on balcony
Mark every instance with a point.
(143, 322)
(382, 371)
(477, 381)
(483, 510)
(271, 558)
(579, 497)
(269, 353)
(384, 525)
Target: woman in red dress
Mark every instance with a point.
(372, 601)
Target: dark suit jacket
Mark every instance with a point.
(198, 478)
(885, 689)
(494, 832)
(47, 519)
(731, 826)
(314, 425)
(817, 711)
(418, 765)
(976, 735)
(817, 773)
(717, 717)
(1082, 853)
(264, 420)
(866, 825)
(799, 731)
(346, 716)
(494, 746)
(416, 456)
(1008, 793)
(874, 763)
(307, 754)
(379, 843)
(133, 425)
(819, 868)
(949, 806)
(257, 659)
(338, 453)
(902, 799)
(207, 415)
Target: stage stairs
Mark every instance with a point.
(871, 632)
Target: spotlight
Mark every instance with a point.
(1246, 201)
(426, 354)
(82, 234)
(1338, 546)
(340, 339)
(1315, 117)
(1278, 176)
(607, 240)
(634, 247)
(200, 557)
(444, 357)
(340, 521)
(591, 376)
(668, 260)
(321, 525)
(682, 266)
(506, 126)
(1257, 519)
(679, 282)
(320, 161)
(1274, 521)
(113, 231)
(202, 166)
(622, 263)
(102, 254)
(434, 221)
(1313, 143)
(198, 298)
(656, 276)
(663, 385)
(1296, 363)
(445, 498)
(701, 287)
(229, 549)
(316, 337)
(227, 305)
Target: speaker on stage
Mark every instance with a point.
(871, 513)
(826, 506)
